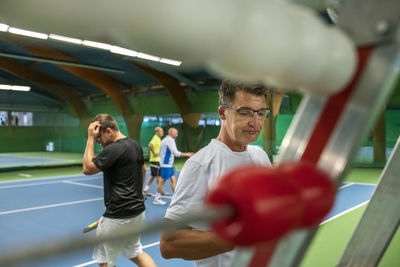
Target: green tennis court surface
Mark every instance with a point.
(26, 160)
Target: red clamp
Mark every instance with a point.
(270, 202)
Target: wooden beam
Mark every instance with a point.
(274, 101)
(176, 91)
(102, 81)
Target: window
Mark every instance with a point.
(17, 118)
(3, 118)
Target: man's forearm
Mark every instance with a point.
(186, 154)
(143, 173)
(88, 156)
(151, 148)
(192, 244)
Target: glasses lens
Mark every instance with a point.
(263, 113)
(245, 112)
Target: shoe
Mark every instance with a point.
(159, 202)
(146, 193)
(163, 193)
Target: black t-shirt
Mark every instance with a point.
(121, 163)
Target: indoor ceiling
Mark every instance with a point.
(48, 65)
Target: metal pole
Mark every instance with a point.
(73, 244)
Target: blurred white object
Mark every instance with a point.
(282, 44)
(287, 47)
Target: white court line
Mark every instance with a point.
(351, 209)
(346, 185)
(344, 212)
(85, 264)
(27, 185)
(87, 178)
(44, 183)
(93, 262)
(88, 185)
(51, 206)
(350, 184)
(25, 175)
(78, 176)
(370, 184)
(153, 195)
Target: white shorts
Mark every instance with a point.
(109, 251)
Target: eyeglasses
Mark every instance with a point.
(248, 112)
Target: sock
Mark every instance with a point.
(146, 187)
(157, 197)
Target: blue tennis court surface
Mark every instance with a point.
(41, 210)
(9, 160)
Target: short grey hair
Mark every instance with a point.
(228, 89)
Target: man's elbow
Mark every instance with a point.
(165, 249)
(87, 170)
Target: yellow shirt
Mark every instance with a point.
(156, 142)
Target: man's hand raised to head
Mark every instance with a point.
(94, 129)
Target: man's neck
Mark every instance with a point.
(118, 136)
(224, 138)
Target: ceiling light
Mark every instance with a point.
(20, 88)
(65, 39)
(3, 27)
(170, 61)
(14, 87)
(148, 57)
(28, 33)
(123, 51)
(97, 45)
(105, 46)
(5, 87)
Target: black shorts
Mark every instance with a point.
(155, 168)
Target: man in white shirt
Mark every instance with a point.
(168, 152)
(242, 109)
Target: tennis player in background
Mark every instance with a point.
(122, 164)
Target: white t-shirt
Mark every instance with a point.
(168, 152)
(199, 174)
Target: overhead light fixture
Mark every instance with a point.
(28, 33)
(14, 87)
(123, 51)
(111, 48)
(4, 27)
(148, 57)
(97, 45)
(65, 39)
(170, 61)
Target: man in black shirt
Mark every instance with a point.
(122, 164)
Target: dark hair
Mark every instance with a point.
(106, 121)
(228, 89)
